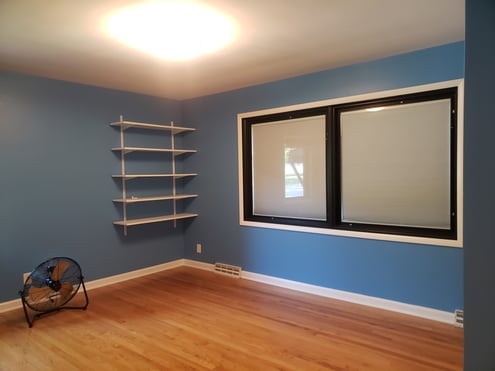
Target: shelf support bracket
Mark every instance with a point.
(122, 162)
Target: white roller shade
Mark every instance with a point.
(289, 168)
(396, 165)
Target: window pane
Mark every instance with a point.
(395, 165)
(294, 172)
(289, 168)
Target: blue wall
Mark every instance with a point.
(56, 188)
(479, 187)
(424, 275)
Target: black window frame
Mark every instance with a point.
(333, 169)
(247, 124)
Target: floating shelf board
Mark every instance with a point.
(134, 176)
(142, 125)
(155, 219)
(144, 149)
(153, 198)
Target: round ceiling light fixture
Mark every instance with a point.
(172, 30)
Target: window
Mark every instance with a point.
(294, 170)
(395, 164)
(384, 166)
(285, 166)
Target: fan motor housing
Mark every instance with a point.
(54, 285)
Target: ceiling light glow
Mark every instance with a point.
(172, 30)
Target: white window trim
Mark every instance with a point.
(458, 242)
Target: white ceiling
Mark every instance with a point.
(65, 39)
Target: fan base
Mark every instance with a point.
(31, 320)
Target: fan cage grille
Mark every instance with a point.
(52, 284)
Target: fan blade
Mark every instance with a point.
(63, 294)
(37, 294)
(65, 290)
(58, 270)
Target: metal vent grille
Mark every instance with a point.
(459, 317)
(228, 270)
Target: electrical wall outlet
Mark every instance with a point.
(198, 248)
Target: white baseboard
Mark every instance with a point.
(395, 306)
(371, 301)
(15, 304)
(133, 274)
(10, 305)
(198, 265)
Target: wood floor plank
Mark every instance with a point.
(189, 319)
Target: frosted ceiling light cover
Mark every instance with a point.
(172, 30)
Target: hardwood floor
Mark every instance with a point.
(189, 319)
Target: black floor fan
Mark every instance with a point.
(50, 287)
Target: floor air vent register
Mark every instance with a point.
(459, 317)
(228, 270)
